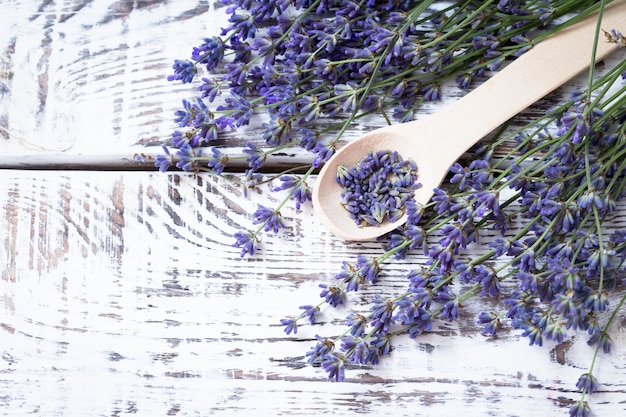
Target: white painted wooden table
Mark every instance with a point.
(120, 292)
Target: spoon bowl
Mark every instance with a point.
(435, 142)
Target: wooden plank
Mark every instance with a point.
(82, 83)
(85, 78)
(121, 294)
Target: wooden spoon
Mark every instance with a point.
(438, 140)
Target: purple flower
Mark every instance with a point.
(491, 323)
(179, 138)
(184, 70)
(383, 343)
(301, 194)
(310, 108)
(488, 279)
(432, 92)
(461, 175)
(310, 312)
(546, 14)
(324, 151)
(409, 309)
(264, 45)
(333, 364)
(204, 122)
(435, 61)
(357, 323)
(297, 77)
(500, 246)
(443, 255)
(349, 276)
(277, 131)
(163, 161)
(240, 109)
(247, 241)
(332, 294)
(269, 218)
(309, 140)
(487, 202)
(577, 122)
(528, 260)
(184, 117)
(421, 324)
(237, 73)
(529, 282)
(300, 190)
(454, 233)
(218, 162)
(322, 348)
(209, 89)
(464, 81)
(210, 53)
(603, 340)
(350, 90)
(291, 325)
(534, 334)
(519, 303)
(450, 310)
(377, 187)
(442, 200)
(587, 383)
(382, 314)
(256, 156)
(580, 409)
(554, 331)
(188, 158)
(368, 267)
(242, 26)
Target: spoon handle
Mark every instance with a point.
(542, 69)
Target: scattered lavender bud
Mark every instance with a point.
(378, 187)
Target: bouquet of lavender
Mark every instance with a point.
(297, 64)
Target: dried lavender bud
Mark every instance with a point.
(377, 188)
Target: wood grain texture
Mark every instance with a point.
(83, 83)
(122, 295)
(85, 77)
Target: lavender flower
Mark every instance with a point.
(333, 364)
(247, 241)
(322, 348)
(255, 156)
(357, 323)
(580, 409)
(291, 325)
(300, 190)
(333, 295)
(218, 162)
(491, 323)
(587, 383)
(378, 187)
(310, 312)
(184, 71)
(269, 218)
(163, 161)
(307, 76)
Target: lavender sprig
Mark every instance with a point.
(299, 66)
(560, 268)
(294, 63)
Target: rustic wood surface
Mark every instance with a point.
(121, 293)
